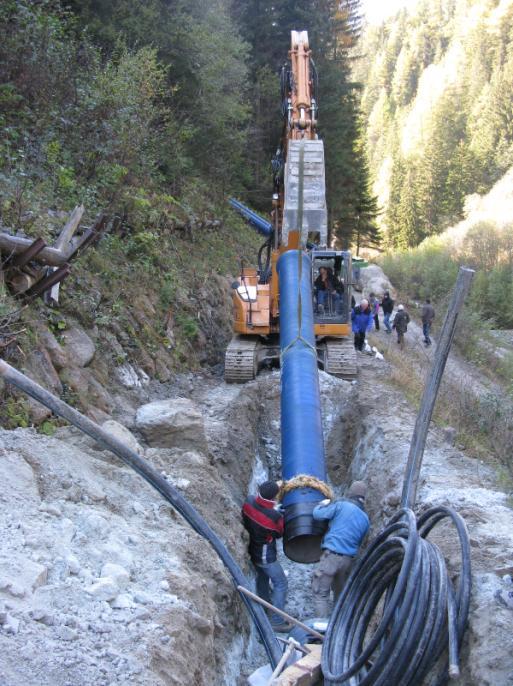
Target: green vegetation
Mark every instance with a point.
(431, 269)
(437, 109)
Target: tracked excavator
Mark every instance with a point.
(298, 222)
(294, 309)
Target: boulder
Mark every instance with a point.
(173, 423)
(104, 589)
(374, 280)
(79, 346)
(39, 367)
(56, 352)
(120, 432)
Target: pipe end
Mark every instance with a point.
(303, 534)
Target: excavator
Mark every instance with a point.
(294, 309)
(298, 222)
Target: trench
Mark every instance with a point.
(345, 434)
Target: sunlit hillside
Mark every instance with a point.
(438, 111)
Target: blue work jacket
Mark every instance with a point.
(347, 529)
(362, 320)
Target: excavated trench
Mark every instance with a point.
(69, 509)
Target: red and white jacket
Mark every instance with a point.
(265, 525)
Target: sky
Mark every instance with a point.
(377, 10)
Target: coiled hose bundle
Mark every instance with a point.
(399, 609)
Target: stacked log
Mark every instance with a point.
(31, 268)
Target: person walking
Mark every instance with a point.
(361, 320)
(264, 523)
(348, 525)
(428, 316)
(401, 321)
(374, 305)
(387, 305)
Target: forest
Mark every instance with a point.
(143, 108)
(438, 122)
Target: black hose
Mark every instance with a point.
(166, 490)
(399, 610)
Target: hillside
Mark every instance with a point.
(437, 111)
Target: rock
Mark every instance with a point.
(116, 572)
(65, 633)
(142, 613)
(10, 625)
(39, 367)
(120, 432)
(20, 575)
(42, 615)
(57, 354)
(142, 598)
(50, 508)
(122, 601)
(79, 346)
(138, 508)
(104, 589)
(173, 423)
(89, 390)
(73, 563)
(164, 585)
(131, 377)
(374, 280)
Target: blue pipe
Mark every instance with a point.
(302, 443)
(262, 225)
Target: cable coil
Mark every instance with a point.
(399, 609)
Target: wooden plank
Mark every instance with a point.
(304, 672)
(62, 242)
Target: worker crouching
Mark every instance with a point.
(264, 523)
(348, 525)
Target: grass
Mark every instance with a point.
(483, 421)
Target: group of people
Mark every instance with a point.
(364, 315)
(348, 524)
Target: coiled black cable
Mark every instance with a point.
(399, 610)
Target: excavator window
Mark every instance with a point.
(329, 289)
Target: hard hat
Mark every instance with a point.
(401, 307)
(358, 489)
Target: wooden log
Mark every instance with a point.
(62, 242)
(17, 245)
(21, 282)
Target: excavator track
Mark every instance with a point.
(340, 359)
(241, 359)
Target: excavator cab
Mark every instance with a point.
(331, 305)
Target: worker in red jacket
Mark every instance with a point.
(264, 523)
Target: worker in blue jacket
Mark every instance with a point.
(362, 318)
(348, 525)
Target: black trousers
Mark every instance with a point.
(359, 340)
(376, 322)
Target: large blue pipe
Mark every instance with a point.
(302, 444)
(262, 225)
